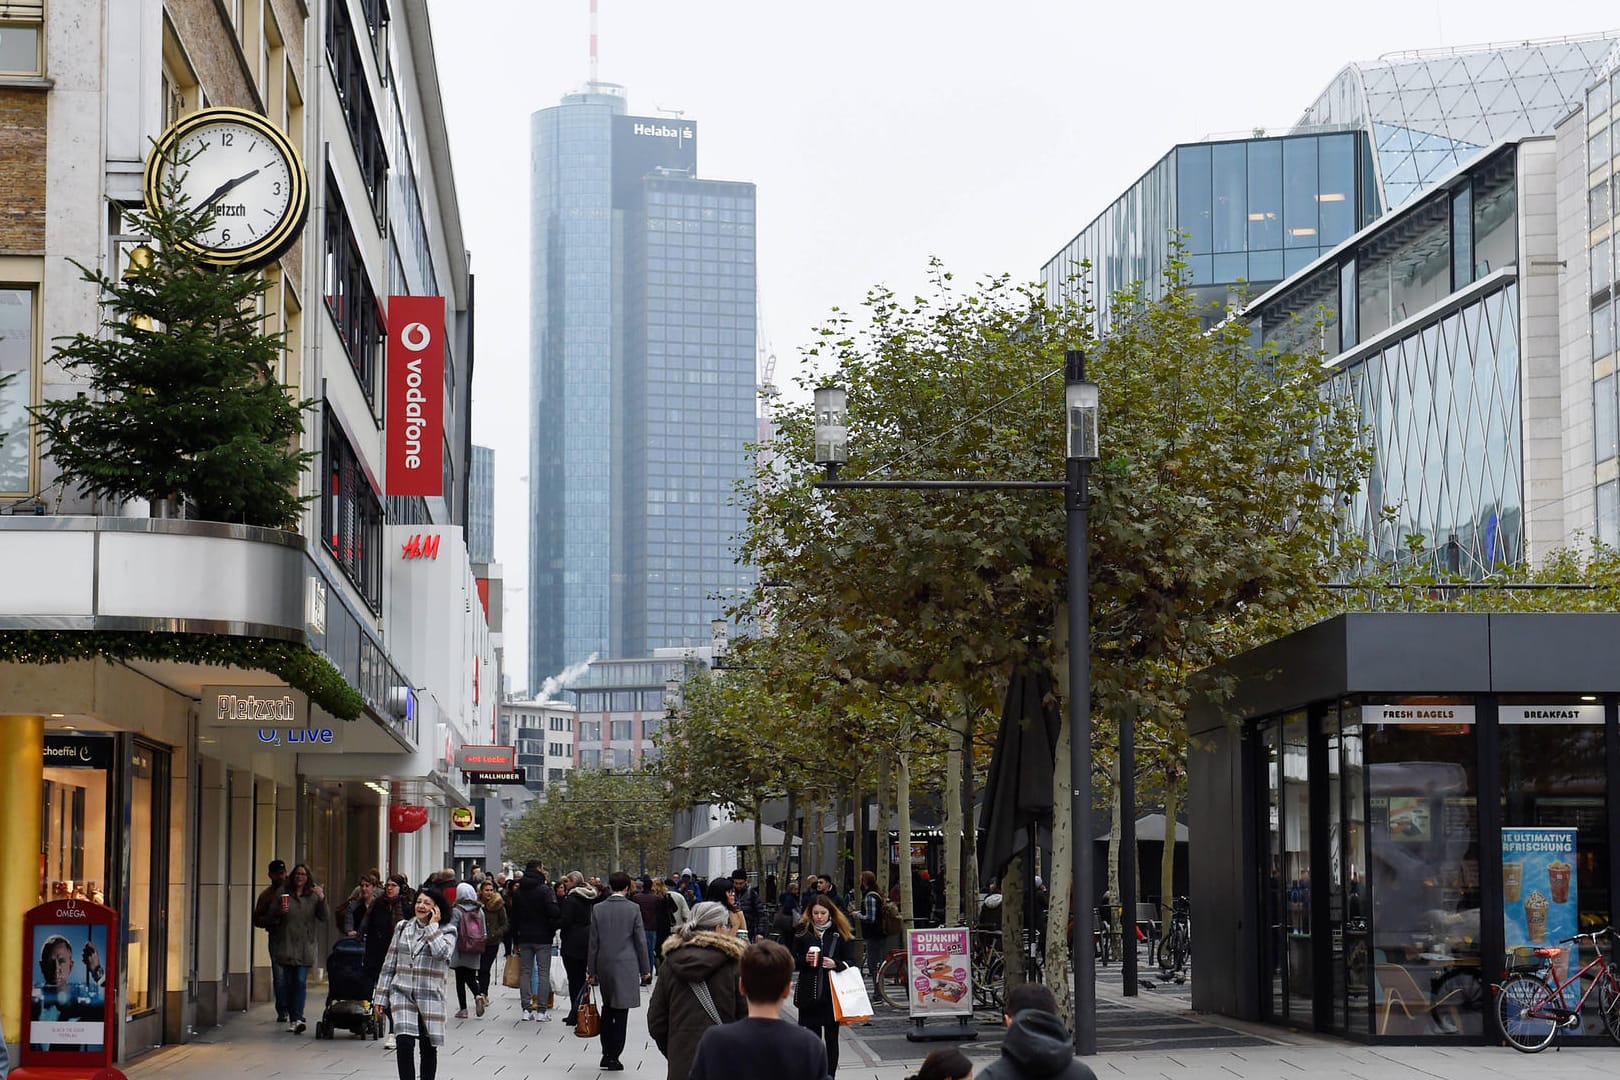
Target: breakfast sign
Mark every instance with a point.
(940, 976)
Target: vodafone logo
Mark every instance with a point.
(416, 337)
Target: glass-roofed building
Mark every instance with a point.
(1256, 211)
(1419, 227)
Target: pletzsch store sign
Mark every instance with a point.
(414, 413)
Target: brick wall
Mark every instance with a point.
(22, 171)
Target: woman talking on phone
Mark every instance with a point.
(822, 945)
(411, 986)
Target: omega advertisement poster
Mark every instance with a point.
(941, 979)
(1538, 888)
(71, 958)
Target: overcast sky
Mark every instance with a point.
(880, 133)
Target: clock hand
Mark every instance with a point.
(225, 189)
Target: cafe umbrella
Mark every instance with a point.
(1017, 807)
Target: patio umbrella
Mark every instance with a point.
(736, 834)
(1018, 793)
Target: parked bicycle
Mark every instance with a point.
(1175, 947)
(1531, 1006)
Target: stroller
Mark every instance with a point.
(348, 993)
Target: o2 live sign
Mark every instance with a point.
(414, 405)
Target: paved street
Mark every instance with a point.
(501, 1046)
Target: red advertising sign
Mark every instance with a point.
(415, 404)
(486, 758)
(70, 981)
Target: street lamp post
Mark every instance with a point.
(1081, 406)
(1081, 421)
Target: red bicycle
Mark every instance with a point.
(1532, 1006)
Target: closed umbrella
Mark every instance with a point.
(1018, 793)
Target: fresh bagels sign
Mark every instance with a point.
(415, 408)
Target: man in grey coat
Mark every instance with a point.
(617, 962)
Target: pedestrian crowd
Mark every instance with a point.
(721, 960)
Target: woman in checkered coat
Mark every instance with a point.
(411, 985)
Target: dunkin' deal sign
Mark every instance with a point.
(415, 402)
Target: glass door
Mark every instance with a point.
(1295, 840)
(1273, 895)
(145, 909)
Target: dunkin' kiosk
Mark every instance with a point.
(70, 983)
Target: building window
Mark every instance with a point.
(376, 16)
(1604, 424)
(649, 728)
(556, 749)
(1608, 513)
(351, 516)
(354, 95)
(590, 731)
(590, 759)
(1462, 237)
(21, 37)
(1347, 305)
(17, 392)
(555, 775)
(557, 724)
(1602, 330)
(349, 295)
(620, 731)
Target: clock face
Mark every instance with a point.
(238, 166)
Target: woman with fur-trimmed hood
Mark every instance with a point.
(696, 987)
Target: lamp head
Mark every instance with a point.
(831, 424)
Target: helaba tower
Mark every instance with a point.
(642, 382)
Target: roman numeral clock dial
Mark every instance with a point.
(240, 166)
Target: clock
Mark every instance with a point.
(239, 165)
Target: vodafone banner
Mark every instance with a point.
(415, 402)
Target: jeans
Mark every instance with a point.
(278, 980)
(652, 949)
(406, 1057)
(534, 982)
(615, 1026)
(296, 989)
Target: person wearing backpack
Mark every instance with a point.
(870, 915)
(472, 934)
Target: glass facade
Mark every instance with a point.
(689, 405)
(1428, 353)
(1444, 831)
(16, 386)
(1602, 140)
(643, 383)
(1253, 211)
(1428, 113)
(481, 506)
(570, 381)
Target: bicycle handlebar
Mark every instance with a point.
(1593, 934)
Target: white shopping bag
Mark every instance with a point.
(851, 1005)
(559, 978)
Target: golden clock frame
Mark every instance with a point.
(277, 240)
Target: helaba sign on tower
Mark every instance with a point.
(415, 403)
(662, 131)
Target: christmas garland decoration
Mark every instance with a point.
(295, 664)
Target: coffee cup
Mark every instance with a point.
(812, 956)
(1512, 881)
(286, 901)
(1558, 882)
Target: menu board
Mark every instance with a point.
(1461, 818)
(941, 978)
(1539, 905)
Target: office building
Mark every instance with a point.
(130, 778)
(481, 506)
(642, 330)
(1432, 230)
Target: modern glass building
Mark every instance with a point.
(1427, 112)
(1258, 210)
(1422, 317)
(1252, 211)
(481, 506)
(642, 382)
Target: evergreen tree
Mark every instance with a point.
(183, 397)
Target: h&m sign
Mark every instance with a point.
(420, 546)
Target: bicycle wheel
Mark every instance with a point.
(1609, 1003)
(989, 979)
(1169, 955)
(891, 982)
(1523, 1012)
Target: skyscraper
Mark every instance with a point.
(481, 506)
(642, 327)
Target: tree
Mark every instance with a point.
(184, 399)
(597, 821)
(1212, 510)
